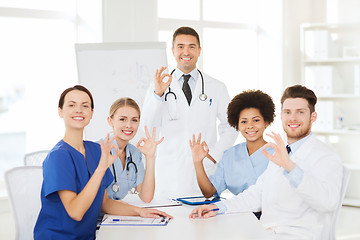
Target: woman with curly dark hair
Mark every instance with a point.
(250, 113)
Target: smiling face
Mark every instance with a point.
(76, 110)
(296, 118)
(125, 123)
(186, 51)
(252, 125)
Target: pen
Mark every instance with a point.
(211, 158)
(103, 220)
(165, 219)
(212, 210)
(174, 200)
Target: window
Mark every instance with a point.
(185, 9)
(228, 34)
(38, 62)
(230, 11)
(241, 40)
(245, 57)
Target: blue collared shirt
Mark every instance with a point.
(127, 179)
(296, 175)
(237, 170)
(178, 75)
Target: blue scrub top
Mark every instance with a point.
(66, 169)
(237, 171)
(127, 179)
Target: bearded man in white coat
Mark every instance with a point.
(179, 106)
(299, 192)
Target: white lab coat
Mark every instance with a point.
(174, 169)
(305, 212)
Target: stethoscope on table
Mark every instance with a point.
(115, 187)
(202, 96)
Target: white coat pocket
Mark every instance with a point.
(172, 108)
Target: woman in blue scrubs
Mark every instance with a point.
(250, 113)
(76, 176)
(128, 169)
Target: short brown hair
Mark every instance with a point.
(76, 87)
(250, 99)
(121, 102)
(186, 31)
(299, 91)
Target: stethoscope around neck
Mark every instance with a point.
(115, 187)
(202, 96)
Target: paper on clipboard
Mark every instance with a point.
(113, 220)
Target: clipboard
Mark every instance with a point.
(199, 200)
(133, 199)
(113, 220)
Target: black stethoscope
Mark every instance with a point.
(202, 96)
(115, 187)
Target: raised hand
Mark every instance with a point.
(160, 86)
(107, 158)
(280, 156)
(199, 150)
(148, 145)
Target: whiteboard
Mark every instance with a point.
(114, 70)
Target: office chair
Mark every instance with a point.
(344, 185)
(35, 158)
(24, 186)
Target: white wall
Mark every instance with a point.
(280, 53)
(296, 13)
(271, 48)
(137, 21)
(129, 21)
(310, 11)
(348, 11)
(89, 21)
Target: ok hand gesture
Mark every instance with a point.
(280, 156)
(107, 158)
(160, 86)
(148, 145)
(199, 150)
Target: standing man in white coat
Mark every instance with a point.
(180, 104)
(300, 190)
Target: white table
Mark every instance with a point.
(228, 226)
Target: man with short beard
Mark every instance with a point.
(300, 190)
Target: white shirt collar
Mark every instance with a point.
(178, 74)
